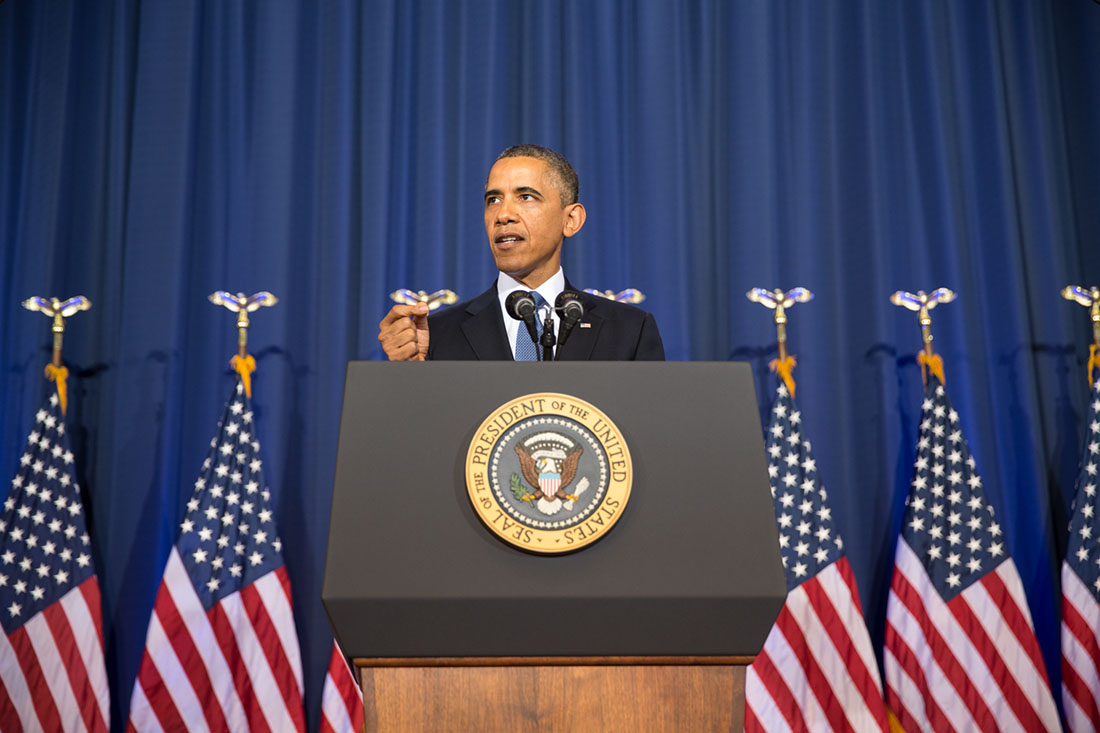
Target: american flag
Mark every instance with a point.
(341, 699)
(1081, 589)
(52, 673)
(961, 652)
(221, 650)
(817, 670)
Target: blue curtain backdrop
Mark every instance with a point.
(153, 152)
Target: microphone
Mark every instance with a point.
(569, 305)
(520, 304)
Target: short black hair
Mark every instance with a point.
(567, 180)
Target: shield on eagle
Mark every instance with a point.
(549, 478)
(548, 461)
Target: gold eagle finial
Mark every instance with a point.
(59, 311)
(779, 301)
(242, 305)
(922, 303)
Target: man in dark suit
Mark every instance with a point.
(530, 208)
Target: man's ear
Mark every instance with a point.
(574, 219)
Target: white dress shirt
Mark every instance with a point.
(549, 290)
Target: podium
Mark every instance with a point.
(650, 627)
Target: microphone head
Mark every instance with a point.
(569, 304)
(520, 304)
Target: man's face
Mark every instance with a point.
(525, 219)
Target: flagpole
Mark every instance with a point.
(1090, 299)
(53, 669)
(225, 577)
(59, 311)
(1080, 582)
(951, 561)
(819, 578)
(780, 302)
(922, 303)
(242, 305)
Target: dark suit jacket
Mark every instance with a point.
(475, 330)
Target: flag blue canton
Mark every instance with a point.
(44, 547)
(948, 521)
(807, 540)
(227, 537)
(1082, 552)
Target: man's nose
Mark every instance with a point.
(506, 212)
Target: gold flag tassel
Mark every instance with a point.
(784, 367)
(1090, 299)
(58, 375)
(242, 362)
(56, 372)
(779, 301)
(930, 361)
(921, 302)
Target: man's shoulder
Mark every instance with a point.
(471, 329)
(463, 310)
(621, 331)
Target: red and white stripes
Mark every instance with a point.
(52, 671)
(342, 698)
(972, 663)
(236, 667)
(817, 669)
(1080, 654)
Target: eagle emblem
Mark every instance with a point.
(548, 473)
(548, 462)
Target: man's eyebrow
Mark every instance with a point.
(519, 190)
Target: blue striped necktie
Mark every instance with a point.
(525, 347)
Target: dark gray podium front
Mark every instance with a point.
(692, 569)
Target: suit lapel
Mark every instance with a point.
(484, 329)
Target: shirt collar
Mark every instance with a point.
(549, 290)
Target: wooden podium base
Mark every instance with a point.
(554, 693)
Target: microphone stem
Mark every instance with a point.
(547, 340)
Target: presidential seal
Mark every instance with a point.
(548, 473)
